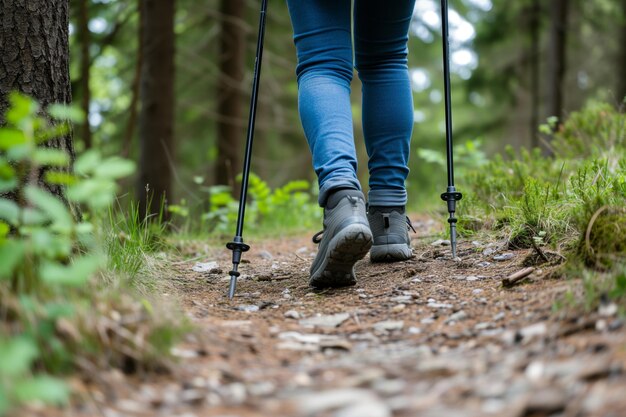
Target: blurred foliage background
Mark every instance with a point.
(514, 65)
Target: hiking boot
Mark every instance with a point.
(346, 238)
(390, 227)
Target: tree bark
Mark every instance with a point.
(535, 29)
(621, 87)
(132, 116)
(232, 59)
(557, 56)
(34, 58)
(85, 68)
(156, 119)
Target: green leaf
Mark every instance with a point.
(19, 152)
(51, 205)
(4, 231)
(9, 138)
(64, 112)
(33, 217)
(115, 167)
(11, 255)
(44, 242)
(87, 162)
(7, 185)
(59, 178)
(97, 193)
(9, 211)
(22, 107)
(42, 388)
(6, 170)
(74, 275)
(17, 355)
(51, 157)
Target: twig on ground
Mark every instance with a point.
(516, 277)
(539, 251)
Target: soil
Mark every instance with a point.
(432, 336)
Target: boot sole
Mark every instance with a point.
(350, 245)
(391, 253)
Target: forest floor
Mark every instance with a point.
(431, 336)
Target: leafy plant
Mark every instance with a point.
(289, 207)
(51, 257)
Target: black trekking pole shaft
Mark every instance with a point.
(237, 245)
(451, 196)
(447, 88)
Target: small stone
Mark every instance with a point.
(483, 326)
(388, 325)
(477, 291)
(500, 316)
(263, 254)
(440, 242)
(250, 308)
(316, 403)
(366, 409)
(503, 257)
(302, 250)
(489, 251)
(401, 299)
(414, 330)
(325, 321)
(439, 305)
(398, 308)
(458, 316)
(533, 331)
(483, 264)
(292, 314)
(210, 267)
(607, 309)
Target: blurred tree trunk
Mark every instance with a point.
(132, 111)
(85, 68)
(621, 88)
(34, 58)
(156, 118)
(229, 98)
(535, 30)
(557, 64)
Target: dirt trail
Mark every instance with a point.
(427, 337)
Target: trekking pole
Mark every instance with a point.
(451, 196)
(237, 245)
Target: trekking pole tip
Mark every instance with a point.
(238, 247)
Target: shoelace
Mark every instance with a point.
(317, 238)
(410, 224)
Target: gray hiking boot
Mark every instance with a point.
(346, 238)
(390, 228)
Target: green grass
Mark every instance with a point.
(573, 202)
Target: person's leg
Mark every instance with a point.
(380, 41)
(323, 41)
(322, 36)
(381, 36)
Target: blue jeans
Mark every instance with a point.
(323, 39)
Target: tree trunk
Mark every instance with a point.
(232, 58)
(156, 119)
(132, 111)
(621, 88)
(535, 29)
(557, 56)
(34, 58)
(85, 68)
